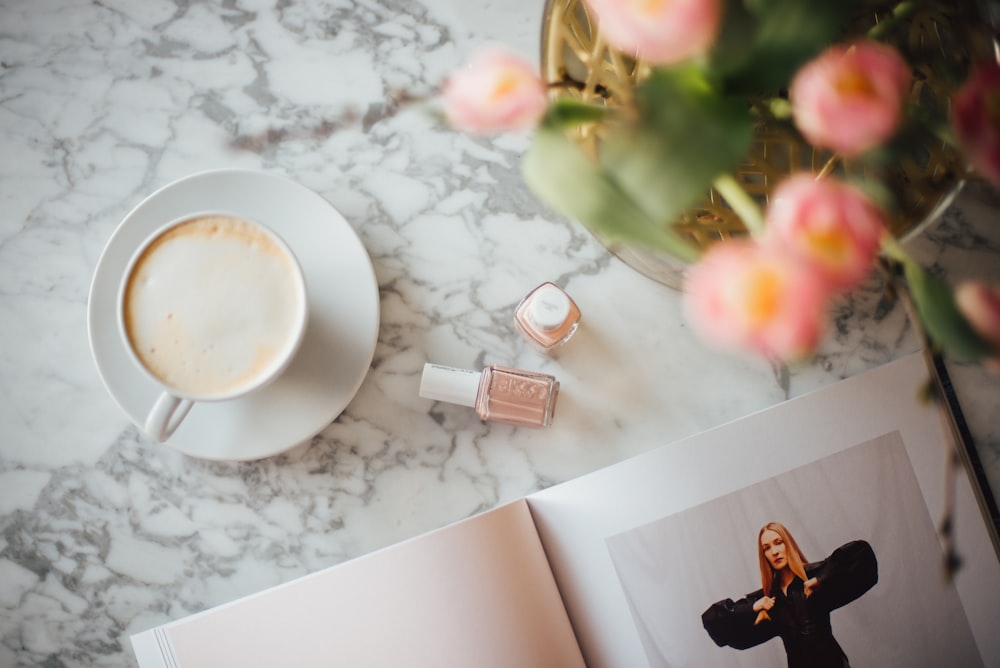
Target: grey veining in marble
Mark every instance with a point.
(105, 534)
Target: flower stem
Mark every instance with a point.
(900, 13)
(741, 202)
(893, 250)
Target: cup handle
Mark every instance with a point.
(166, 416)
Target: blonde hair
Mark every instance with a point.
(796, 561)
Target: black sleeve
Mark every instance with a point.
(845, 575)
(731, 623)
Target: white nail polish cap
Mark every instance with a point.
(455, 386)
(549, 307)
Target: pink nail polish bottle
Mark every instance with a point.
(547, 316)
(498, 393)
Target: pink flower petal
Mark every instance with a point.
(976, 117)
(830, 225)
(980, 304)
(742, 295)
(661, 32)
(495, 92)
(850, 98)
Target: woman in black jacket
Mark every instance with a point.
(795, 600)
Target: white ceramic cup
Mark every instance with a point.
(211, 307)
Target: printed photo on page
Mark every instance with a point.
(835, 563)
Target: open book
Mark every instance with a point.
(620, 567)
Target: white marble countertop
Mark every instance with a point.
(104, 533)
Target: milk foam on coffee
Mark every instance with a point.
(213, 305)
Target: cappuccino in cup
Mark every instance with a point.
(212, 307)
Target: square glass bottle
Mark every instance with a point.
(547, 316)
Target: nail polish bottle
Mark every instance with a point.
(498, 393)
(547, 316)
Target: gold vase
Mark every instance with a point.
(575, 58)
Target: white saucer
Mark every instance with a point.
(343, 316)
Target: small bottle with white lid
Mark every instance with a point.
(498, 393)
(547, 317)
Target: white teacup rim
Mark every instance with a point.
(303, 312)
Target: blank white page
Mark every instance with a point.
(476, 593)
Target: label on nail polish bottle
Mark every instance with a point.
(547, 317)
(498, 393)
(548, 308)
(518, 397)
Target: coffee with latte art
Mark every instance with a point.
(213, 305)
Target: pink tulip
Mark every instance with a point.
(496, 91)
(980, 304)
(660, 31)
(976, 114)
(850, 98)
(743, 295)
(832, 226)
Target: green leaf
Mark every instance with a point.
(940, 316)
(786, 34)
(685, 136)
(561, 174)
(567, 112)
(736, 37)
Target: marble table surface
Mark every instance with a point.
(105, 533)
